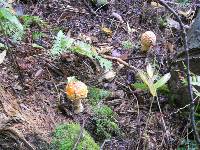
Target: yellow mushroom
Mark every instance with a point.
(148, 39)
(76, 92)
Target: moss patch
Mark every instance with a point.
(66, 135)
(95, 95)
(106, 125)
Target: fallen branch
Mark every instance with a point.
(184, 36)
(121, 62)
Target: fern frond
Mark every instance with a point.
(83, 49)
(29, 20)
(63, 43)
(11, 24)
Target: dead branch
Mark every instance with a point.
(120, 61)
(184, 36)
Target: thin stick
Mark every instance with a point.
(121, 62)
(188, 69)
(15, 133)
(80, 135)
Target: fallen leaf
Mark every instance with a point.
(117, 16)
(2, 56)
(156, 5)
(171, 23)
(169, 46)
(188, 14)
(37, 46)
(104, 49)
(106, 31)
(129, 29)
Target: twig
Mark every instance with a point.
(15, 133)
(184, 36)
(164, 124)
(121, 62)
(105, 141)
(80, 135)
(88, 6)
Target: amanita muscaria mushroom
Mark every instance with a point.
(148, 39)
(76, 92)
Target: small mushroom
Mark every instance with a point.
(76, 92)
(148, 39)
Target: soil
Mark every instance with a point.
(32, 95)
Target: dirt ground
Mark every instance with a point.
(32, 106)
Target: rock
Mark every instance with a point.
(180, 91)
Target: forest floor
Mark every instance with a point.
(33, 103)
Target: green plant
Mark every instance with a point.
(195, 82)
(36, 35)
(105, 129)
(187, 144)
(10, 25)
(153, 81)
(127, 44)
(100, 3)
(95, 95)
(28, 21)
(104, 112)
(162, 22)
(183, 2)
(64, 43)
(66, 135)
(106, 126)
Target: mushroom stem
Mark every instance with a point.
(78, 106)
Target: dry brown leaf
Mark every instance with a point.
(156, 5)
(169, 46)
(106, 31)
(104, 49)
(2, 56)
(117, 16)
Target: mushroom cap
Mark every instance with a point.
(148, 39)
(76, 90)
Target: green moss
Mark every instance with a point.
(66, 135)
(104, 112)
(104, 117)
(105, 129)
(106, 126)
(95, 95)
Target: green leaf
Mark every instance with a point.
(5, 14)
(34, 45)
(2, 45)
(84, 49)
(139, 85)
(61, 44)
(197, 93)
(143, 77)
(162, 81)
(2, 56)
(148, 82)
